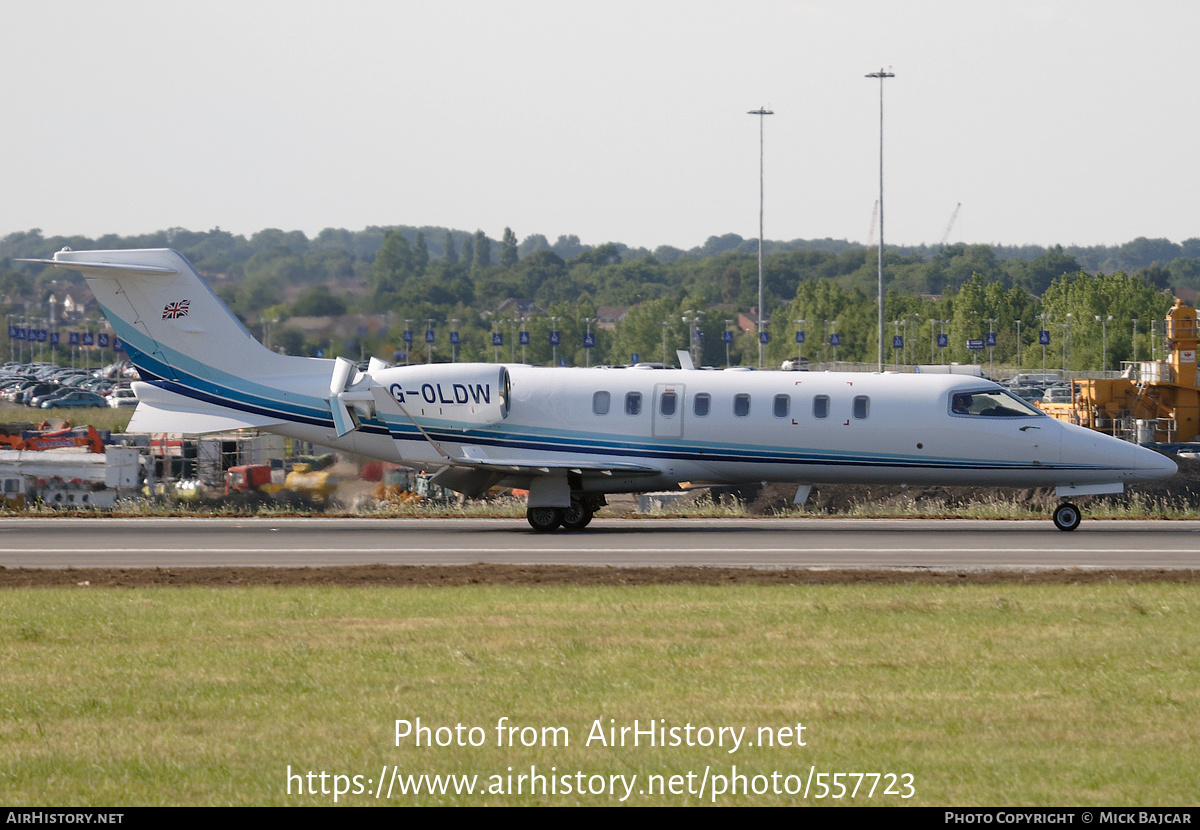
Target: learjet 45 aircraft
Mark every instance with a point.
(571, 436)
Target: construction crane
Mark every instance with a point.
(874, 222)
(949, 225)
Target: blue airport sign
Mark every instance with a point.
(799, 337)
(727, 337)
(974, 345)
(1044, 337)
(764, 337)
(943, 341)
(897, 342)
(408, 338)
(497, 339)
(589, 341)
(554, 338)
(835, 340)
(429, 337)
(103, 341)
(991, 338)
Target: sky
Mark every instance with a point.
(1068, 122)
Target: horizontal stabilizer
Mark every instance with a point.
(104, 268)
(161, 411)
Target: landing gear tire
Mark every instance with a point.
(1067, 516)
(577, 516)
(544, 519)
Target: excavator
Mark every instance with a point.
(1153, 401)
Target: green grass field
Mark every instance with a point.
(997, 695)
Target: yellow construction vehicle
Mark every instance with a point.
(1153, 401)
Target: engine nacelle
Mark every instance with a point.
(477, 393)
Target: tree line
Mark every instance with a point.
(444, 281)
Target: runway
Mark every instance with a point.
(737, 543)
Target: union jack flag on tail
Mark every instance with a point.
(173, 311)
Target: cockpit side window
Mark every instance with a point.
(992, 403)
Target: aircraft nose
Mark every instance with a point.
(1152, 464)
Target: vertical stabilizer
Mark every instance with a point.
(171, 322)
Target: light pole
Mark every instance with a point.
(1104, 342)
(727, 337)
(991, 321)
(587, 339)
(1135, 339)
(1044, 339)
(761, 112)
(664, 356)
(1066, 327)
(881, 75)
(691, 319)
(831, 333)
(1018, 346)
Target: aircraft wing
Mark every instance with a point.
(473, 476)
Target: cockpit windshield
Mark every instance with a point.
(992, 403)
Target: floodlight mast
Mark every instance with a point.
(881, 75)
(761, 112)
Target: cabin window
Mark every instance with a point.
(862, 406)
(741, 405)
(783, 405)
(821, 406)
(668, 402)
(701, 404)
(600, 403)
(633, 403)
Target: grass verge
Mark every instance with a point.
(985, 695)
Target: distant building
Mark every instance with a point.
(610, 315)
(520, 307)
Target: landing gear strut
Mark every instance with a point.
(1067, 516)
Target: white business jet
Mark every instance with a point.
(571, 436)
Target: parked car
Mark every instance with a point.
(79, 398)
(122, 397)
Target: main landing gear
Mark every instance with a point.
(575, 517)
(1067, 516)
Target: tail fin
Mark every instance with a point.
(166, 316)
(185, 342)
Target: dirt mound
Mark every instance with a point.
(401, 576)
